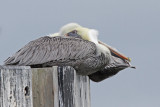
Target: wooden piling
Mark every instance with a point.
(43, 87)
(15, 86)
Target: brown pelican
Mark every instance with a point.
(74, 46)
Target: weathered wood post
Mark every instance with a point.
(49, 87)
(60, 87)
(15, 86)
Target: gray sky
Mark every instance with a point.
(132, 26)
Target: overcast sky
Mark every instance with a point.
(132, 26)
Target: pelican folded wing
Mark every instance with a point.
(111, 69)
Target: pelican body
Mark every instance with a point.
(74, 46)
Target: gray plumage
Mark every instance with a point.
(53, 51)
(116, 65)
(79, 48)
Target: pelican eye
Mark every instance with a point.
(74, 32)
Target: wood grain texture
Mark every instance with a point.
(74, 90)
(43, 89)
(21, 86)
(60, 87)
(15, 86)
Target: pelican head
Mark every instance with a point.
(77, 31)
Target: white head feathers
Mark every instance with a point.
(68, 27)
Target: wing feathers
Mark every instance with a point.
(46, 49)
